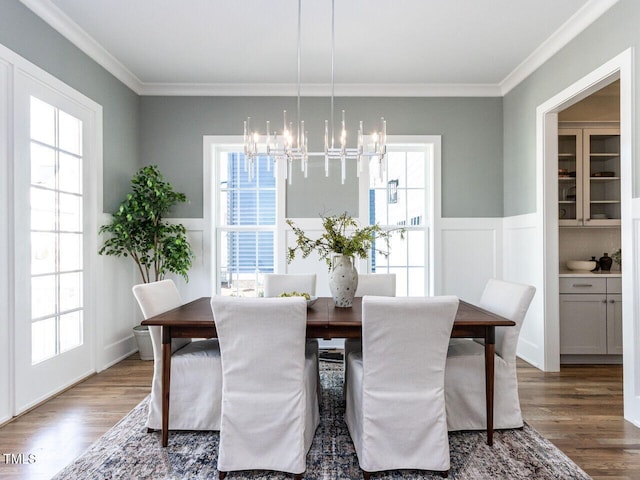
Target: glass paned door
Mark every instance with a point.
(56, 231)
(55, 237)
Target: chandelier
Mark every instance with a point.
(289, 148)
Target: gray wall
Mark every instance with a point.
(27, 35)
(617, 30)
(167, 131)
(471, 128)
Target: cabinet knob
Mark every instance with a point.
(612, 301)
(604, 301)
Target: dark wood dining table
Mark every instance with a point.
(324, 321)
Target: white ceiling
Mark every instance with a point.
(382, 47)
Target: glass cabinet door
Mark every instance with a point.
(569, 175)
(602, 178)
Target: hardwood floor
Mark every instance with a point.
(59, 430)
(578, 409)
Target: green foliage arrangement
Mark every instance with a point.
(617, 256)
(138, 231)
(342, 235)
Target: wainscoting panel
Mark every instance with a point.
(631, 318)
(117, 311)
(199, 284)
(468, 253)
(519, 266)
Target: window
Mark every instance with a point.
(246, 223)
(398, 190)
(56, 231)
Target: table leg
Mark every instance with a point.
(166, 381)
(489, 365)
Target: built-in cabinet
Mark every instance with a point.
(590, 316)
(589, 177)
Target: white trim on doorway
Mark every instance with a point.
(547, 222)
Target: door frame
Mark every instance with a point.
(21, 73)
(620, 67)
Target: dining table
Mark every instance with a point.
(324, 321)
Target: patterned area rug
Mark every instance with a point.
(127, 451)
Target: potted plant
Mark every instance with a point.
(343, 239)
(137, 230)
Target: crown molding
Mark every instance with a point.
(321, 90)
(60, 22)
(578, 22)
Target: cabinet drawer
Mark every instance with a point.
(614, 285)
(583, 285)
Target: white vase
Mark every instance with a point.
(343, 280)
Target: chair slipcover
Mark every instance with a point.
(196, 373)
(395, 393)
(379, 284)
(465, 378)
(269, 402)
(277, 283)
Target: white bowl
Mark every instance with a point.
(581, 265)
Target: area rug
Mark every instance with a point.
(127, 451)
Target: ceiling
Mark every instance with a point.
(382, 47)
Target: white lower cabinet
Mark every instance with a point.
(590, 316)
(614, 323)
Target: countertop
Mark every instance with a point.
(610, 274)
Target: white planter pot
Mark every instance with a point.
(343, 280)
(143, 339)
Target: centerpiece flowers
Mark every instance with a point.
(343, 238)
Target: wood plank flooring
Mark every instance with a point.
(578, 409)
(59, 430)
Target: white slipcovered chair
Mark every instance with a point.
(395, 408)
(277, 283)
(465, 379)
(196, 373)
(269, 401)
(378, 284)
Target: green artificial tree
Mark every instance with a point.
(137, 229)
